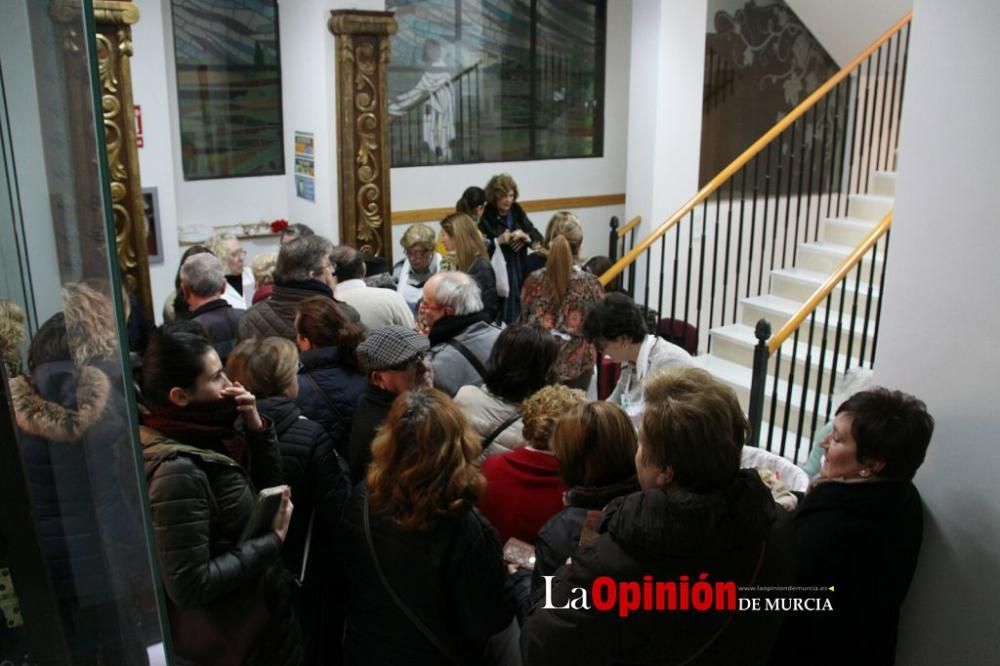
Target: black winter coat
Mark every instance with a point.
(668, 535)
(221, 322)
(482, 272)
(276, 315)
(862, 539)
(371, 412)
(340, 388)
(451, 576)
(492, 225)
(200, 501)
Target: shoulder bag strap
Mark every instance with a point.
(499, 429)
(428, 634)
(322, 394)
(476, 364)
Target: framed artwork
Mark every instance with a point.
(151, 214)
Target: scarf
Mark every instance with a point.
(446, 328)
(209, 425)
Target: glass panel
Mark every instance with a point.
(496, 81)
(228, 87)
(71, 467)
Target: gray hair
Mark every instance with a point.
(301, 258)
(459, 292)
(203, 274)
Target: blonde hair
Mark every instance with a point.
(217, 245)
(469, 244)
(90, 323)
(595, 445)
(265, 366)
(12, 331)
(424, 461)
(542, 410)
(498, 186)
(563, 238)
(418, 234)
(693, 423)
(263, 266)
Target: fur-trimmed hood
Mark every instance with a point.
(38, 416)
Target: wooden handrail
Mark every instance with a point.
(631, 224)
(531, 206)
(753, 150)
(827, 287)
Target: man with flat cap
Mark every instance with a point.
(393, 360)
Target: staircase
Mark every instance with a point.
(732, 345)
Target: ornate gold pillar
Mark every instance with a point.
(363, 129)
(113, 19)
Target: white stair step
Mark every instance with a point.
(846, 230)
(738, 377)
(884, 183)
(777, 310)
(869, 206)
(824, 257)
(799, 284)
(804, 442)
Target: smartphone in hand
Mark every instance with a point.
(268, 503)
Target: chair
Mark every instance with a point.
(680, 333)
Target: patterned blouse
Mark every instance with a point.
(538, 306)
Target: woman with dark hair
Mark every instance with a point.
(228, 595)
(859, 529)
(460, 237)
(521, 362)
(330, 383)
(559, 296)
(425, 572)
(506, 227)
(617, 327)
(594, 445)
(472, 203)
(697, 512)
(72, 418)
(268, 367)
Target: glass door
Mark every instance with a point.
(78, 582)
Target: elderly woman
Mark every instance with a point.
(594, 445)
(560, 295)
(521, 363)
(507, 228)
(239, 276)
(425, 572)
(858, 530)
(523, 487)
(617, 327)
(421, 262)
(697, 512)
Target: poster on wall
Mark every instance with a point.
(305, 166)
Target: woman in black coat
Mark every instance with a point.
(330, 384)
(859, 529)
(506, 227)
(697, 513)
(412, 527)
(228, 597)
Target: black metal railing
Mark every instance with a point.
(407, 140)
(796, 373)
(768, 206)
(620, 242)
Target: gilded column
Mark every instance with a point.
(113, 19)
(362, 50)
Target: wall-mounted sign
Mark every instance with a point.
(305, 166)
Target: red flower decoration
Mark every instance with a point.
(278, 226)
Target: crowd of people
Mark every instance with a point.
(446, 483)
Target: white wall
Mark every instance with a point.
(846, 27)
(940, 323)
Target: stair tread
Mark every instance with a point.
(740, 376)
(826, 247)
(743, 335)
(817, 278)
(788, 308)
(881, 198)
(804, 445)
(846, 220)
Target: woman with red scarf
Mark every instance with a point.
(206, 450)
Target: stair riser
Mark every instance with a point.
(842, 234)
(868, 209)
(779, 418)
(800, 291)
(822, 262)
(884, 184)
(751, 314)
(737, 353)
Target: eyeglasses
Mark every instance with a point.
(417, 252)
(407, 365)
(238, 253)
(427, 305)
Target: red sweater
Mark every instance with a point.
(523, 490)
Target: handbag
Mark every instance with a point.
(499, 263)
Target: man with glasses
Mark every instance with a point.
(421, 262)
(393, 359)
(460, 334)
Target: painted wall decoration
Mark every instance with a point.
(760, 63)
(496, 80)
(228, 87)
